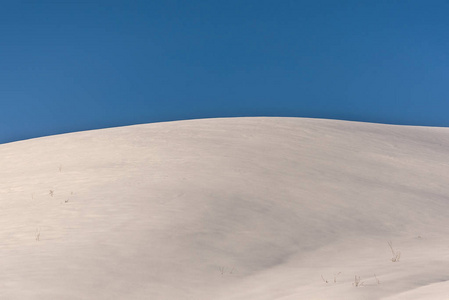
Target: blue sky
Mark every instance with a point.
(77, 65)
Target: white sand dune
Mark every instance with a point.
(244, 208)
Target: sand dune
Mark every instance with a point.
(241, 208)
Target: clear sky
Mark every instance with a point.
(77, 65)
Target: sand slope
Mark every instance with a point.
(244, 208)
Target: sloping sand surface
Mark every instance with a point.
(244, 208)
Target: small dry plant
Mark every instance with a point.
(325, 281)
(38, 234)
(396, 253)
(51, 192)
(222, 271)
(357, 281)
(335, 277)
(377, 280)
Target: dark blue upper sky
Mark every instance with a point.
(77, 65)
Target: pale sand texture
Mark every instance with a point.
(244, 208)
